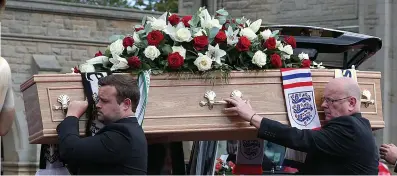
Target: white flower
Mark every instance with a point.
(98, 60)
(318, 66)
(131, 49)
(207, 22)
(266, 34)
(180, 50)
(136, 38)
(303, 56)
(231, 36)
(179, 33)
(158, 24)
(215, 53)
(151, 52)
(200, 33)
(117, 47)
(248, 33)
(255, 25)
(288, 51)
(118, 62)
(86, 68)
(259, 58)
(203, 62)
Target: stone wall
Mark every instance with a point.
(70, 32)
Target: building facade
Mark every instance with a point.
(33, 31)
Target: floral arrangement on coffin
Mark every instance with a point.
(223, 168)
(199, 44)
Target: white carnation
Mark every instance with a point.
(259, 58)
(117, 47)
(203, 62)
(151, 52)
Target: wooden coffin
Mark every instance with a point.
(173, 111)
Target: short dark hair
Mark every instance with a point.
(126, 87)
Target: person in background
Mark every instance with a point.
(7, 105)
(120, 147)
(388, 152)
(344, 145)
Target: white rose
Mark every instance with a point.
(288, 51)
(247, 32)
(183, 35)
(151, 52)
(117, 47)
(203, 62)
(86, 68)
(131, 49)
(266, 34)
(180, 50)
(303, 56)
(158, 24)
(259, 59)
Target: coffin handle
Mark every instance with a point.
(366, 98)
(64, 101)
(210, 96)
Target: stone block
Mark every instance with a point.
(45, 63)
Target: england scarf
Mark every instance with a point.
(301, 105)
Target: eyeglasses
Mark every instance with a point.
(330, 100)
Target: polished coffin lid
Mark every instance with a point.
(173, 112)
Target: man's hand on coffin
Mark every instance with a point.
(388, 152)
(241, 107)
(77, 108)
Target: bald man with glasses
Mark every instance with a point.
(343, 146)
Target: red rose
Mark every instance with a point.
(155, 37)
(174, 19)
(200, 42)
(76, 70)
(134, 62)
(270, 43)
(128, 41)
(220, 37)
(243, 44)
(186, 20)
(98, 54)
(275, 60)
(290, 40)
(138, 29)
(175, 60)
(306, 63)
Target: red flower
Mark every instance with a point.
(270, 43)
(98, 54)
(134, 62)
(200, 42)
(174, 19)
(76, 70)
(224, 27)
(138, 29)
(186, 20)
(290, 40)
(175, 60)
(218, 166)
(155, 37)
(275, 60)
(231, 164)
(220, 37)
(128, 41)
(243, 44)
(306, 63)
